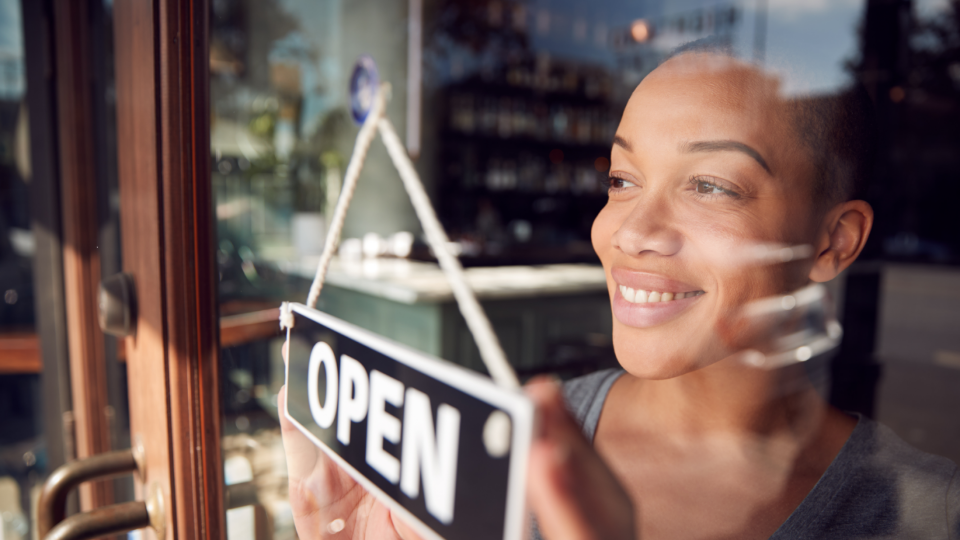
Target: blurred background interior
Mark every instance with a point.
(508, 108)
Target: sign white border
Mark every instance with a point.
(514, 402)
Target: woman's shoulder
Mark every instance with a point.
(879, 486)
(585, 397)
(884, 448)
(922, 480)
(876, 452)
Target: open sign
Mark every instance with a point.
(442, 446)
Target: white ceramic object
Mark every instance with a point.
(309, 233)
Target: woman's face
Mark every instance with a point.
(704, 165)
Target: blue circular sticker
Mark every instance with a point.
(363, 87)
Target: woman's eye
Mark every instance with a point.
(705, 187)
(619, 183)
(708, 189)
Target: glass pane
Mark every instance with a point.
(510, 116)
(16, 240)
(27, 439)
(21, 438)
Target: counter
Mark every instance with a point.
(412, 282)
(551, 318)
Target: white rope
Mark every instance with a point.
(360, 148)
(490, 351)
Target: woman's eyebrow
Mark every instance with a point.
(620, 141)
(724, 146)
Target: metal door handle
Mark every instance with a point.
(52, 523)
(113, 519)
(117, 303)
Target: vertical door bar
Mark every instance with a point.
(81, 258)
(140, 240)
(167, 236)
(189, 234)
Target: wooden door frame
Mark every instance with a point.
(167, 229)
(80, 237)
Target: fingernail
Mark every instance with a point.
(336, 526)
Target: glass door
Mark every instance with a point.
(61, 380)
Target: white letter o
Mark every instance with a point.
(322, 415)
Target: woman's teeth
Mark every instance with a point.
(638, 296)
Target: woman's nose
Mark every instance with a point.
(649, 228)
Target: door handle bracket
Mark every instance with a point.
(52, 523)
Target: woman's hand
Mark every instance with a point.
(326, 502)
(572, 492)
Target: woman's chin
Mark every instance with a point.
(654, 368)
(647, 357)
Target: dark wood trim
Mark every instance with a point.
(247, 327)
(20, 353)
(191, 279)
(167, 228)
(81, 257)
(140, 207)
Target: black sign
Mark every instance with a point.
(442, 446)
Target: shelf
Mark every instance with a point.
(499, 88)
(248, 327)
(482, 191)
(20, 352)
(524, 142)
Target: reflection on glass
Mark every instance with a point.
(30, 447)
(520, 103)
(21, 448)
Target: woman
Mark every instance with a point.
(689, 440)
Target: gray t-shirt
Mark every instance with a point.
(877, 487)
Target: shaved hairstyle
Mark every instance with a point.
(838, 130)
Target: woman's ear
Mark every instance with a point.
(842, 235)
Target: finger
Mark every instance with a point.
(552, 500)
(315, 480)
(301, 457)
(302, 454)
(558, 514)
(551, 409)
(573, 493)
(402, 529)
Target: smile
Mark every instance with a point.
(640, 296)
(644, 299)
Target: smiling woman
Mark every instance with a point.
(708, 162)
(710, 159)
(731, 202)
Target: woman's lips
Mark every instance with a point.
(643, 300)
(650, 313)
(650, 282)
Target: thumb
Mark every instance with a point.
(573, 493)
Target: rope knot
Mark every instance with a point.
(286, 316)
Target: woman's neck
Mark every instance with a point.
(738, 447)
(726, 398)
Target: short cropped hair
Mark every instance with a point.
(840, 132)
(838, 129)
